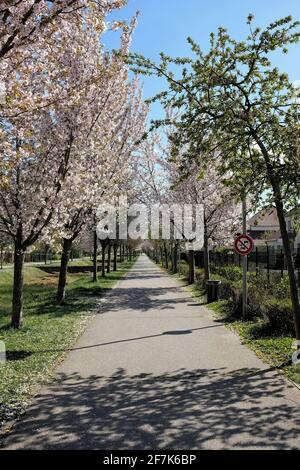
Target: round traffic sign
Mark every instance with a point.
(244, 245)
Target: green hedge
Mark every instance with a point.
(199, 274)
(266, 300)
(279, 315)
(231, 273)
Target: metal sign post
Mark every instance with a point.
(243, 246)
(245, 265)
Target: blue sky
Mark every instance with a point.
(164, 26)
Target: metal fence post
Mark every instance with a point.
(256, 260)
(282, 262)
(298, 265)
(245, 265)
(268, 263)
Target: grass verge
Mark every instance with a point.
(47, 327)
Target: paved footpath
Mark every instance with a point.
(155, 370)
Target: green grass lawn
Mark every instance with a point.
(76, 262)
(47, 327)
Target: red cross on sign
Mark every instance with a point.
(243, 245)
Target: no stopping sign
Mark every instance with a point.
(243, 245)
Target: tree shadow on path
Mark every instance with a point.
(196, 409)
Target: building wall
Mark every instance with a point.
(297, 241)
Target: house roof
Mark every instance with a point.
(265, 218)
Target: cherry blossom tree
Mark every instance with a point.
(43, 134)
(222, 212)
(114, 123)
(24, 22)
(39, 162)
(162, 178)
(152, 182)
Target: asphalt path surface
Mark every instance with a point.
(155, 370)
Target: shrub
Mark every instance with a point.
(232, 273)
(268, 300)
(257, 295)
(229, 290)
(236, 303)
(200, 278)
(224, 250)
(232, 290)
(279, 314)
(281, 289)
(184, 269)
(199, 274)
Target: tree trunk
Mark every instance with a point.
(206, 254)
(175, 259)
(191, 259)
(171, 257)
(1, 258)
(46, 254)
(17, 305)
(108, 258)
(290, 266)
(103, 244)
(65, 256)
(161, 256)
(115, 257)
(284, 234)
(95, 256)
(166, 256)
